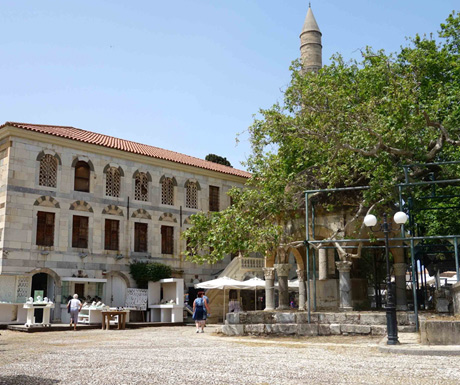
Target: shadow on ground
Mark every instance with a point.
(26, 380)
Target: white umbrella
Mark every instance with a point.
(255, 283)
(222, 283)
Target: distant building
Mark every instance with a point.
(76, 207)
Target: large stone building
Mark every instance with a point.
(76, 207)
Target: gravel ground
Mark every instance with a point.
(177, 355)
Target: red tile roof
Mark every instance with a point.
(126, 145)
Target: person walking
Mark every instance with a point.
(206, 299)
(74, 306)
(200, 308)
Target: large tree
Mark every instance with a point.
(353, 123)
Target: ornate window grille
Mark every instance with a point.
(112, 182)
(191, 195)
(141, 192)
(48, 171)
(167, 192)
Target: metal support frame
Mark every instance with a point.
(411, 240)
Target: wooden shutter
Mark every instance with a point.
(111, 234)
(213, 198)
(167, 240)
(140, 237)
(80, 232)
(45, 229)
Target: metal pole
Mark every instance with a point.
(313, 254)
(307, 246)
(308, 283)
(414, 284)
(314, 279)
(392, 324)
(456, 258)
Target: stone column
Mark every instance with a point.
(282, 269)
(322, 259)
(57, 304)
(269, 275)
(344, 268)
(400, 280)
(302, 292)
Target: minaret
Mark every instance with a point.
(310, 43)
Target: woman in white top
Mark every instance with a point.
(75, 306)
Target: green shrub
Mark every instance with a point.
(143, 272)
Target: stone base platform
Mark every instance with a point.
(66, 327)
(322, 323)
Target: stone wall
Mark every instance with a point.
(456, 298)
(296, 323)
(25, 197)
(434, 332)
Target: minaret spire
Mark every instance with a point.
(310, 43)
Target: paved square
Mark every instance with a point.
(178, 355)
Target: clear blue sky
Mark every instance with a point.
(182, 75)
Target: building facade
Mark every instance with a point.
(77, 207)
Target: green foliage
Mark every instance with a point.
(143, 272)
(218, 159)
(351, 124)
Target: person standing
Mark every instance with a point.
(74, 306)
(200, 308)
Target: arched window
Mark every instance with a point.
(191, 195)
(167, 191)
(112, 182)
(141, 191)
(82, 174)
(48, 171)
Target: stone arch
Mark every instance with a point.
(114, 165)
(198, 187)
(47, 201)
(298, 258)
(171, 177)
(167, 217)
(187, 221)
(113, 210)
(83, 159)
(120, 274)
(46, 270)
(137, 172)
(49, 152)
(141, 213)
(81, 206)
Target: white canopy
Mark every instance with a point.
(255, 283)
(221, 283)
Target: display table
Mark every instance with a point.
(31, 314)
(12, 312)
(90, 316)
(166, 313)
(120, 315)
(166, 300)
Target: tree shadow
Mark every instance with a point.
(29, 380)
